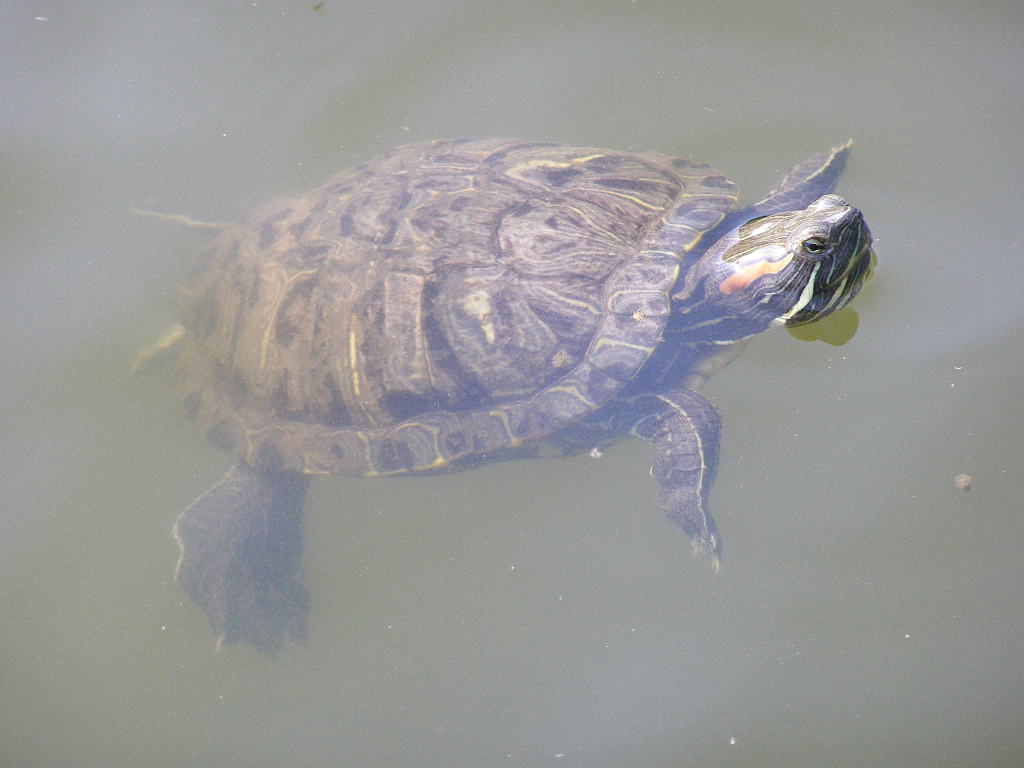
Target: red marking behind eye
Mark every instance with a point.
(744, 277)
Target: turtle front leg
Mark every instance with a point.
(684, 428)
(241, 547)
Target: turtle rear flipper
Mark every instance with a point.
(240, 561)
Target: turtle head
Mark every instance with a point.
(787, 269)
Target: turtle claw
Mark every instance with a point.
(704, 536)
(685, 508)
(709, 544)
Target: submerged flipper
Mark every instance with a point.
(241, 547)
(684, 428)
(804, 183)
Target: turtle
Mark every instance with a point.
(461, 302)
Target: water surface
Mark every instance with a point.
(537, 613)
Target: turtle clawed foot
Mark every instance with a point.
(705, 542)
(685, 508)
(709, 547)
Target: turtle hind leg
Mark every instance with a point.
(240, 556)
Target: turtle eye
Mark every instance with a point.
(814, 246)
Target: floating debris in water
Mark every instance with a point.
(963, 481)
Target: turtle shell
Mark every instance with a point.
(442, 304)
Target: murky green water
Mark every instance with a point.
(867, 613)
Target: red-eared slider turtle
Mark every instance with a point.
(461, 302)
